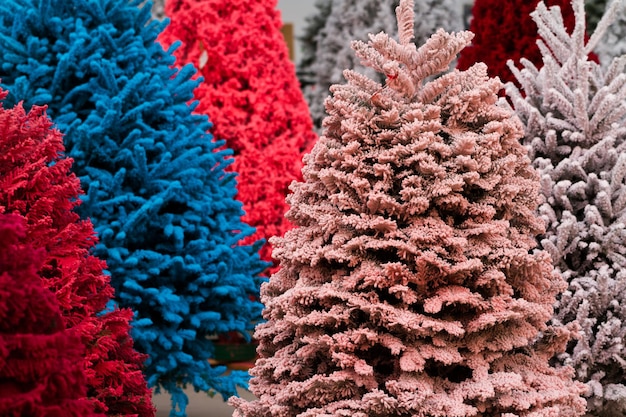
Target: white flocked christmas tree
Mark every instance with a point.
(574, 111)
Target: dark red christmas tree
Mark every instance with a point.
(504, 30)
(36, 184)
(251, 94)
(41, 372)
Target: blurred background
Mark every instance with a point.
(294, 13)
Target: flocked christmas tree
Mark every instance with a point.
(575, 117)
(156, 189)
(411, 286)
(41, 365)
(326, 44)
(504, 30)
(250, 91)
(35, 183)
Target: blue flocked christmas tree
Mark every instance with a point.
(156, 189)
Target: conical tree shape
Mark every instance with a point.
(574, 112)
(156, 190)
(35, 183)
(41, 365)
(504, 30)
(326, 43)
(250, 90)
(410, 286)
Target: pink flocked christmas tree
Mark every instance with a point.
(252, 96)
(41, 372)
(411, 285)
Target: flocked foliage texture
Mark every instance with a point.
(328, 32)
(411, 286)
(41, 366)
(155, 186)
(504, 30)
(36, 184)
(250, 91)
(574, 113)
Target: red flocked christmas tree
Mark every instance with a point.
(41, 372)
(35, 184)
(251, 94)
(504, 30)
